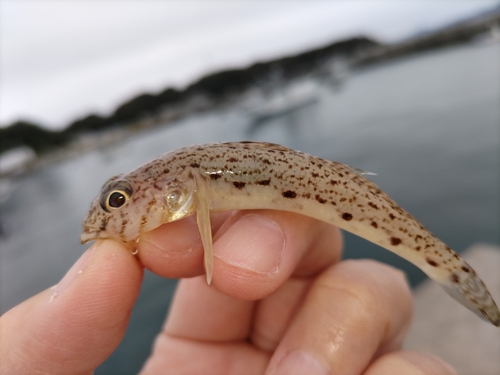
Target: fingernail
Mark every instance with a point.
(298, 363)
(73, 273)
(254, 242)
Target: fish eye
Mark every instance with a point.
(116, 194)
(116, 199)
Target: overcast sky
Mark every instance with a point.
(60, 60)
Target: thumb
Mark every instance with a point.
(74, 326)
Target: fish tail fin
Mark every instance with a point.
(471, 292)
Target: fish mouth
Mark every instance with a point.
(91, 236)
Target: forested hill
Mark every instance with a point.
(216, 86)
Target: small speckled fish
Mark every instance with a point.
(255, 175)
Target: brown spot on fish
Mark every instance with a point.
(104, 224)
(264, 182)
(289, 194)
(455, 278)
(239, 185)
(194, 165)
(465, 269)
(319, 199)
(374, 224)
(232, 160)
(346, 216)
(395, 241)
(431, 262)
(215, 176)
(392, 216)
(266, 161)
(371, 204)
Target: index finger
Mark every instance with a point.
(255, 250)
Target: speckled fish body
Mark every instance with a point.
(253, 175)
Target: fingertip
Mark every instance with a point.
(75, 325)
(254, 242)
(96, 304)
(249, 255)
(257, 250)
(107, 270)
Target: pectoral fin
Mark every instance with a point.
(204, 226)
(203, 220)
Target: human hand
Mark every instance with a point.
(281, 303)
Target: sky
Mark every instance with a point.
(62, 60)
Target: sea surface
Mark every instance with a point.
(428, 125)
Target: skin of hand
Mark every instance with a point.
(281, 302)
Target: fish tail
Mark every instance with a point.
(470, 291)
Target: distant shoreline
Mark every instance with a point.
(148, 110)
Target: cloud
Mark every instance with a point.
(61, 60)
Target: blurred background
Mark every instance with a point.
(409, 90)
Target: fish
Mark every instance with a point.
(200, 179)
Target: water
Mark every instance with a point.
(428, 125)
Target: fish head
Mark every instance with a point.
(129, 205)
